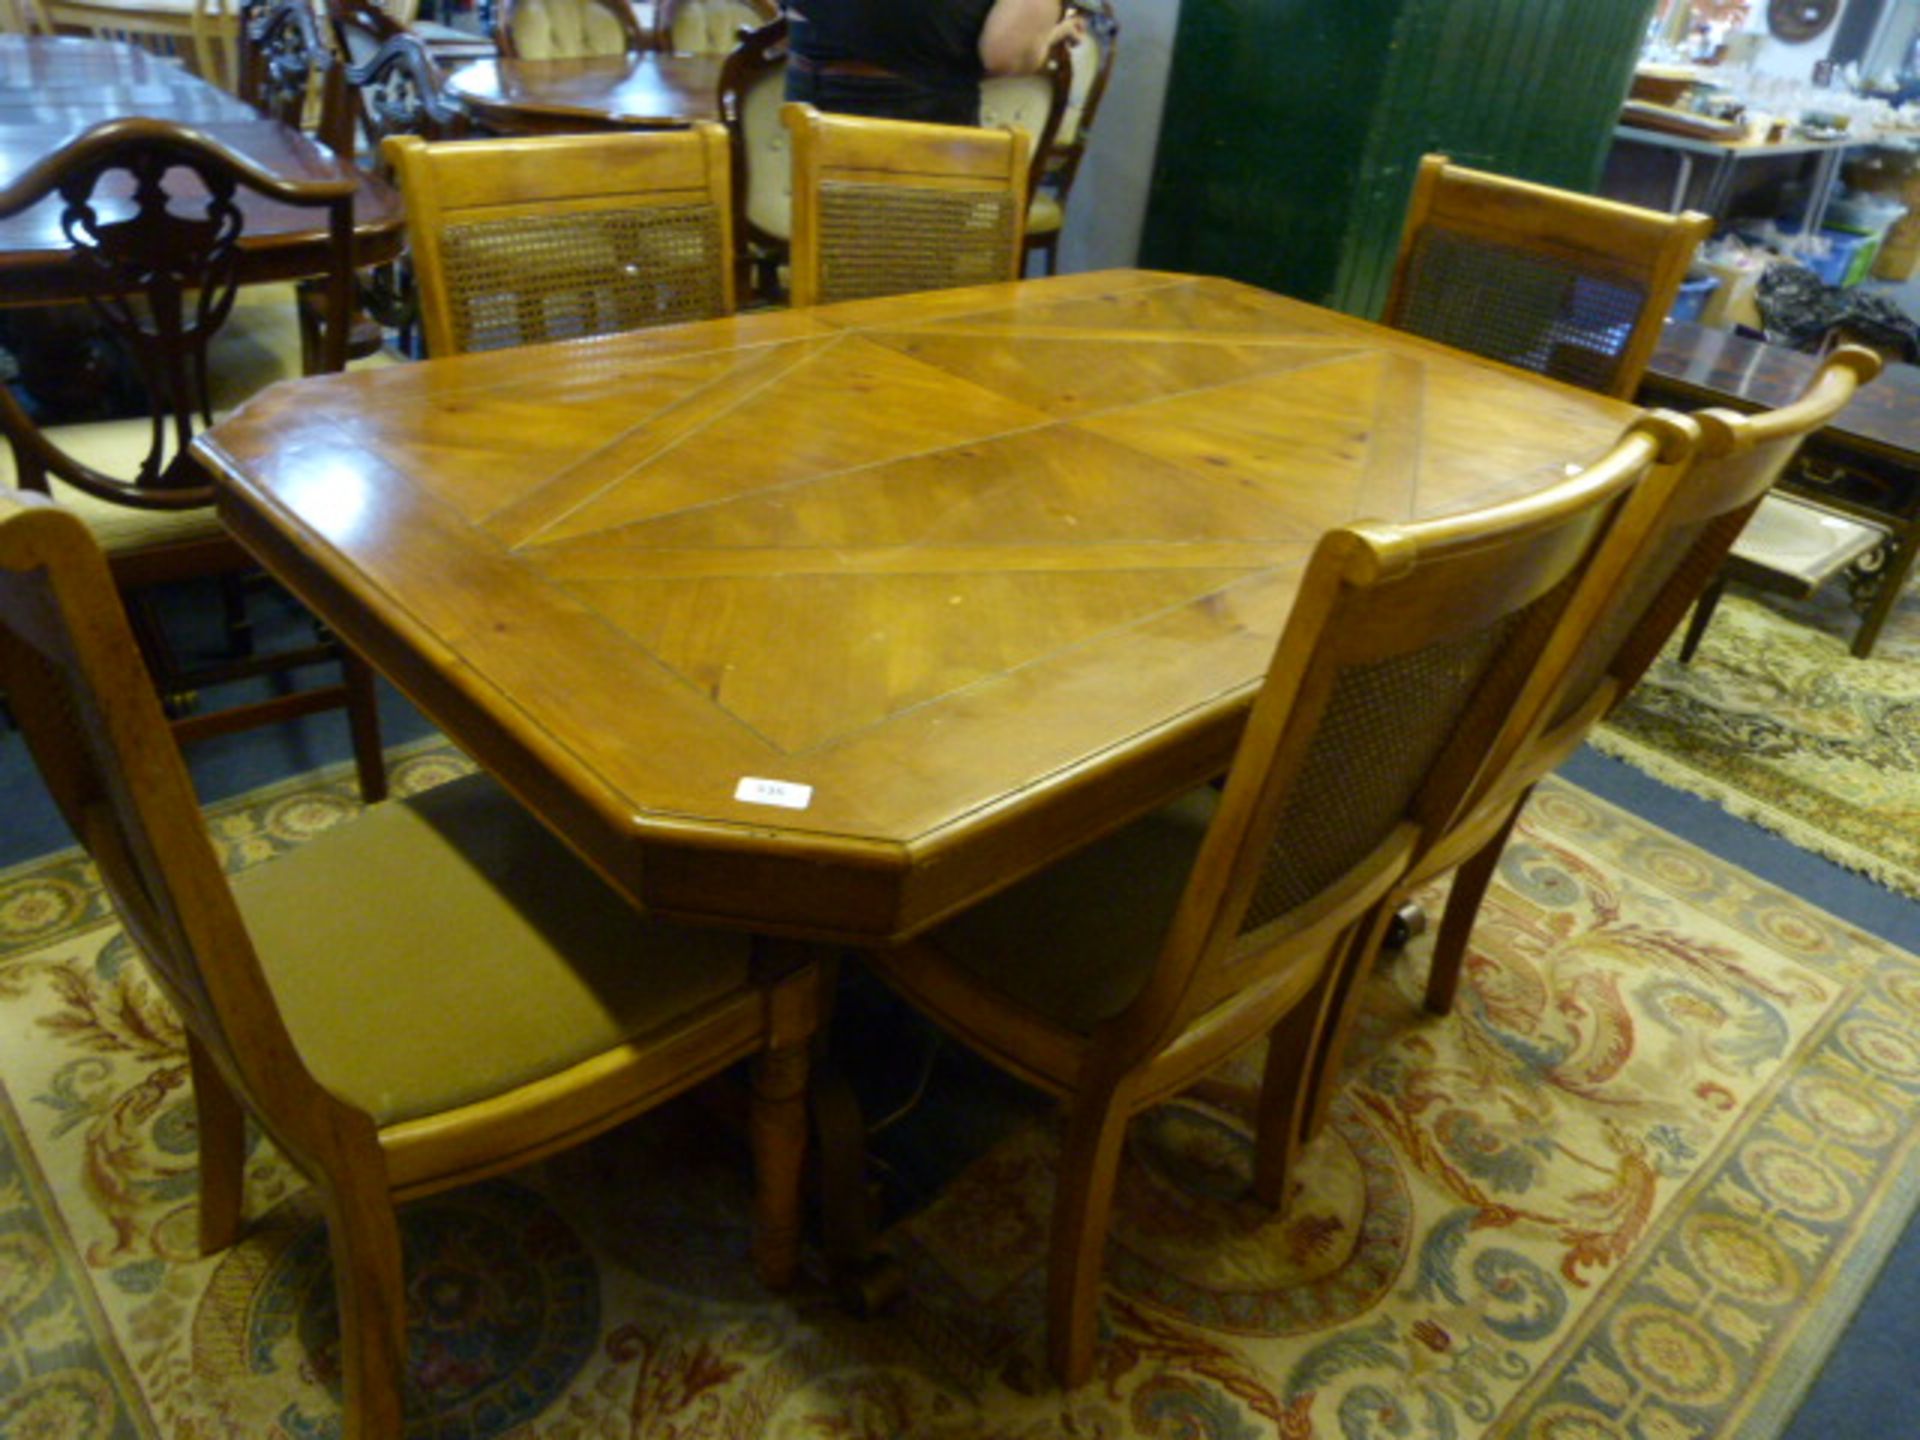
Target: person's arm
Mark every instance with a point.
(1019, 33)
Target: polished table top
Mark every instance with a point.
(649, 89)
(984, 571)
(52, 90)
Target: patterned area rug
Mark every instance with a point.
(1631, 1189)
(1777, 722)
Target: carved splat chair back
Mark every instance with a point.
(566, 29)
(889, 207)
(289, 72)
(400, 90)
(1562, 284)
(557, 236)
(162, 279)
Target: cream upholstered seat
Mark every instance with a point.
(566, 29)
(432, 993)
(888, 207)
(558, 236)
(1124, 972)
(1547, 280)
(166, 292)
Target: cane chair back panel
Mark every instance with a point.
(527, 240)
(566, 29)
(887, 207)
(1561, 284)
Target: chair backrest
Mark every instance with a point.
(753, 85)
(1562, 284)
(162, 280)
(709, 27)
(1404, 652)
(1032, 104)
(80, 693)
(887, 207)
(289, 72)
(566, 29)
(23, 17)
(361, 27)
(1089, 68)
(399, 90)
(557, 236)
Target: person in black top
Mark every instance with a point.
(915, 59)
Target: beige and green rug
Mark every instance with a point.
(1776, 721)
(1631, 1189)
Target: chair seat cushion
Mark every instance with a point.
(1074, 943)
(1797, 546)
(116, 447)
(446, 948)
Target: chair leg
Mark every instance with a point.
(364, 1236)
(363, 721)
(1470, 883)
(222, 1126)
(1351, 964)
(1082, 1210)
(1702, 617)
(1284, 1092)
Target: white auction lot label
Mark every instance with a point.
(784, 793)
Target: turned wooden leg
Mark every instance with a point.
(364, 1236)
(1082, 1208)
(222, 1125)
(1470, 883)
(778, 1123)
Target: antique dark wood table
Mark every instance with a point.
(650, 89)
(830, 622)
(53, 89)
(1867, 462)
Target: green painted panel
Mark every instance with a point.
(1286, 162)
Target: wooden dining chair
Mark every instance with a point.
(1127, 970)
(889, 207)
(566, 29)
(1562, 284)
(1671, 543)
(1035, 105)
(558, 236)
(709, 27)
(753, 87)
(290, 73)
(1088, 66)
(393, 1040)
(162, 280)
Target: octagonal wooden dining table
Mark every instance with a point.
(830, 622)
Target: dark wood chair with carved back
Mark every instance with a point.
(1126, 971)
(753, 87)
(1562, 284)
(890, 207)
(398, 91)
(380, 1032)
(1088, 65)
(163, 282)
(552, 237)
(1036, 105)
(567, 29)
(1616, 627)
